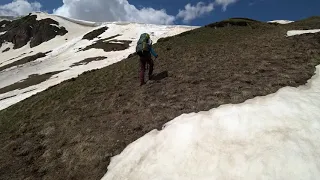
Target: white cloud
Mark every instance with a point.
(193, 12)
(225, 3)
(112, 10)
(19, 8)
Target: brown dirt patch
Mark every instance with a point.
(95, 33)
(28, 91)
(33, 79)
(111, 37)
(7, 97)
(24, 60)
(88, 60)
(108, 46)
(5, 50)
(70, 131)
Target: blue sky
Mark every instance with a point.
(263, 10)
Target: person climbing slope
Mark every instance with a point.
(144, 50)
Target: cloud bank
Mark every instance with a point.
(112, 10)
(19, 8)
(115, 10)
(192, 12)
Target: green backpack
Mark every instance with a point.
(142, 44)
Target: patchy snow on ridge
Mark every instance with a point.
(3, 47)
(43, 15)
(270, 137)
(299, 32)
(66, 51)
(281, 21)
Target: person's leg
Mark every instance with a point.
(142, 69)
(151, 66)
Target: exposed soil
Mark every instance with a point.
(111, 37)
(71, 130)
(88, 60)
(16, 57)
(26, 29)
(28, 91)
(7, 97)
(108, 46)
(5, 50)
(24, 60)
(33, 79)
(95, 33)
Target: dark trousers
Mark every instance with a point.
(144, 60)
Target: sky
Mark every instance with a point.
(191, 12)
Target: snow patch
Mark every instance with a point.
(2, 33)
(281, 21)
(43, 15)
(55, 25)
(299, 32)
(81, 22)
(114, 42)
(3, 47)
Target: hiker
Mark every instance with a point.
(144, 50)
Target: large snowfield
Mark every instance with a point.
(270, 137)
(65, 52)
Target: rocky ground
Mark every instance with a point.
(29, 29)
(71, 130)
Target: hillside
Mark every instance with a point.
(72, 129)
(41, 50)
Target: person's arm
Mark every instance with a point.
(153, 52)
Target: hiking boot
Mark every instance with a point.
(141, 84)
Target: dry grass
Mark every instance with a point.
(88, 60)
(70, 131)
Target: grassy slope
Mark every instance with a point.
(70, 131)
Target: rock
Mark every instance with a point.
(28, 28)
(3, 24)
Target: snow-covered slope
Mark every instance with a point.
(271, 137)
(65, 52)
(281, 21)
